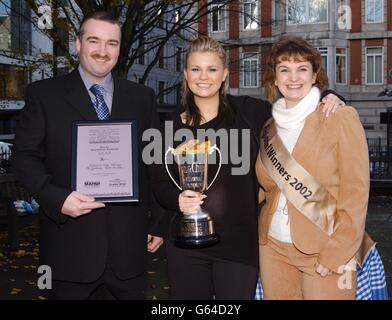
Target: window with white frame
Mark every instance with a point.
(250, 15)
(374, 11)
(341, 66)
(307, 11)
(374, 65)
(250, 70)
(218, 17)
(324, 58)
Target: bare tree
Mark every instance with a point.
(147, 27)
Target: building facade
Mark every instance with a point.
(15, 36)
(24, 45)
(354, 38)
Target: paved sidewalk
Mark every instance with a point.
(18, 271)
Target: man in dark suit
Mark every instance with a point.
(88, 245)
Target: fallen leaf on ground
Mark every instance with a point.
(15, 291)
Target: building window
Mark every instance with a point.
(15, 28)
(307, 11)
(218, 18)
(142, 60)
(13, 80)
(341, 66)
(161, 94)
(374, 11)
(374, 65)
(161, 58)
(250, 70)
(178, 59)
(250, 15)
(324, 58)
(142, 49)
(5, 27)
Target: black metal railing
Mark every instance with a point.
(5, 162)
(380, 160)
(380, 167)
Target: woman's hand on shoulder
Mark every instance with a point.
(331, 104)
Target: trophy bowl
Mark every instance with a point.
(193, 230)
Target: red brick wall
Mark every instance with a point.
(355, 62)
(389, 59)
(234, 67)
(234, 20)
(374, 42)
(389, 15)
(203, 22)
(254, 48)
(356, 15)
(266, 17)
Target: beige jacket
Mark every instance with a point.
(334, 151)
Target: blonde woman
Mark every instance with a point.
(228, 269)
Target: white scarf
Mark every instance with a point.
(292, 118)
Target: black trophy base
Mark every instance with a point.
(196, 242)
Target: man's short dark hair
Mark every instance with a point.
(98, 15)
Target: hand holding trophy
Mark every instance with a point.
(195, 230)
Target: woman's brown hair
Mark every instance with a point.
(298, 49)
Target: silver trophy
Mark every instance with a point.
(195, 230)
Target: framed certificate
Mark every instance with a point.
(105, 161)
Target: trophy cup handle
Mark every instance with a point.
(214, 147)
(170, 149)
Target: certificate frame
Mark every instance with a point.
(117, 141)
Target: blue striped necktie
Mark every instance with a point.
(99, 104)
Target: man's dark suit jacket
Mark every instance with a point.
(79, 249)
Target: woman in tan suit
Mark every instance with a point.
(314, 174)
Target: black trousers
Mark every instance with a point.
(107, 287)
(195, 275)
